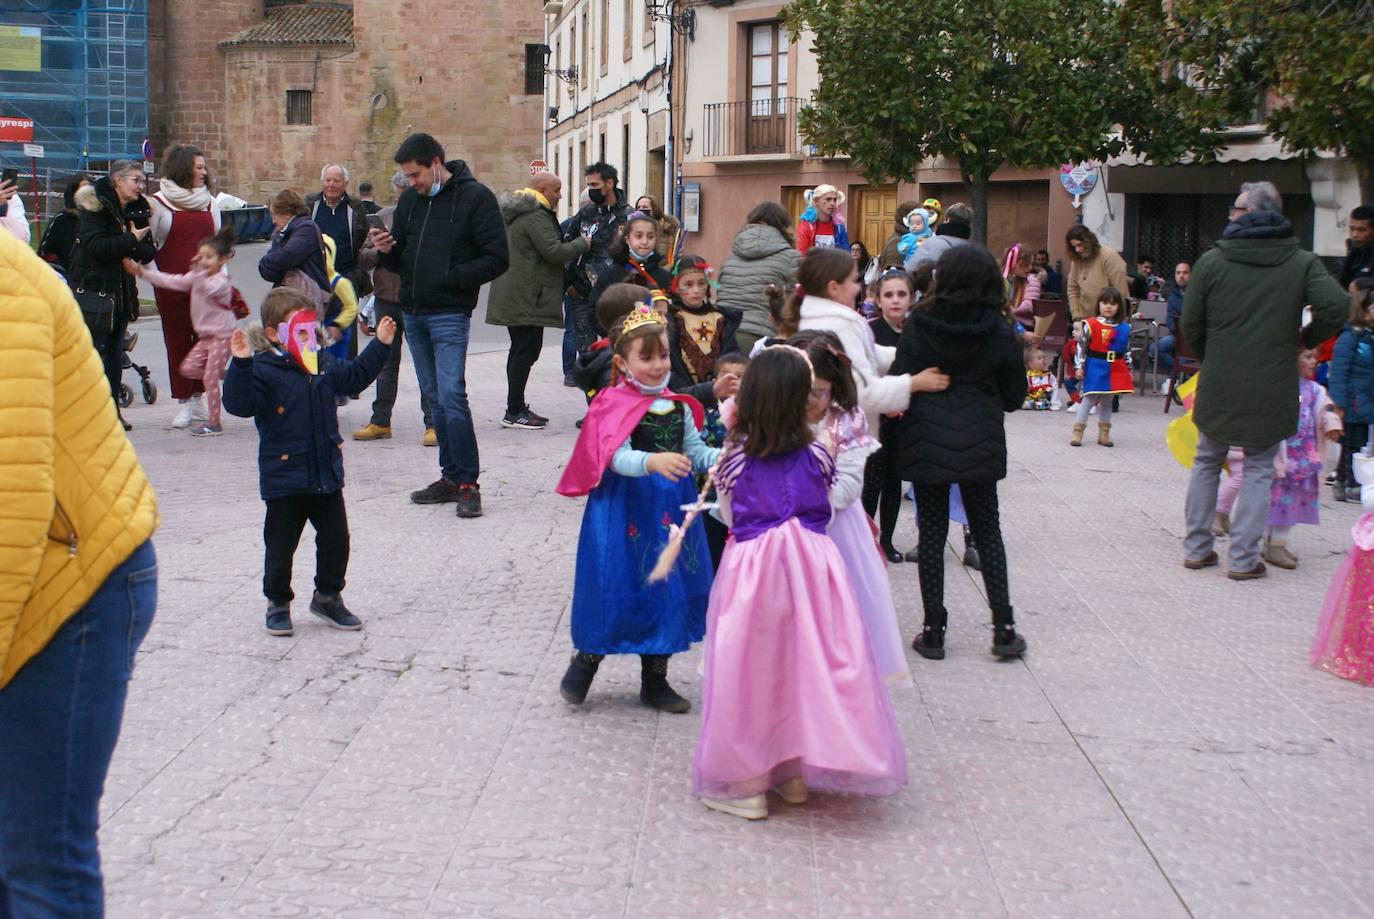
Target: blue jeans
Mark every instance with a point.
(59, 720)
(1166, 353)
(439, 345)
(569, 339)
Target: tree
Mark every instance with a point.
(992, 83)
(1313, 60)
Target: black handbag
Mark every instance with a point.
(97, 306)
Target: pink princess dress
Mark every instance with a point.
(790, 688)
(1344, 645)
(845, 434)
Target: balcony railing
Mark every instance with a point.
(758, 128)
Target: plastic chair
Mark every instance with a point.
(1185, 361)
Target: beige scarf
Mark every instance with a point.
(184, 199)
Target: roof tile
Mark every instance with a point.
(299, 25)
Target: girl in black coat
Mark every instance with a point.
(115, 224)
(634, 260)
(957, 436)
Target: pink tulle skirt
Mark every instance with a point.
(1344, 644)
(853, 536)
(790, 687)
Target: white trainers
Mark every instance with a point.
(755, 808)
(185, 415)
(198, 410)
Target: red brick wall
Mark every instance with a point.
(186, 73)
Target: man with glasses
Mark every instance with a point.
(1242, 316)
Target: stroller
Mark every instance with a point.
(126, 394)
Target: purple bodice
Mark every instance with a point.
(766, 492)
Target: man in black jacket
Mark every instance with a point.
(600, 221)
(1359, 248)
(447, 239)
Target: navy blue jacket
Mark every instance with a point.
(297, 246)
(1174, 308)
(300, 451)
(1350, 375)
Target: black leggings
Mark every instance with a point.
(526, 341)
(932, 514)
(281, 532)
(1352, 441)
(882, 494)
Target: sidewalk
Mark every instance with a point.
(1164, 749)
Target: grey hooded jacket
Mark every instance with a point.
(760, 256)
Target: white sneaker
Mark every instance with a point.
(755, 808)
(185, 415)
(1164, 388)
(198, 410)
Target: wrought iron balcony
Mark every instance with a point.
(763, 127)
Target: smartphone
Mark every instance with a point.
(9, 175)
(376, 222)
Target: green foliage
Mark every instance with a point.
(1314, 59)
(992, 83)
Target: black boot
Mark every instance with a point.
(930, 644)
(654, 690)
(891, 553)
(1006, 643)
(971, 559)
(579, 677)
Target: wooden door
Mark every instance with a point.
(1018, 212)
(871, 212)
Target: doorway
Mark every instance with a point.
(1017, 211)
(872, 212)
(654, 170)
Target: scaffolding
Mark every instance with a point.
(89, 99)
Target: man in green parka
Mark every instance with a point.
(528, 298)
(1242, 316)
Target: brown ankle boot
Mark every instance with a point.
(1104, 434)
(1078, 429)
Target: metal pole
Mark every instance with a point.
(33, 194)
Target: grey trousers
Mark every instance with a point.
(1252, 503)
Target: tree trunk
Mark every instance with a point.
(978, 200)
(1364, 168)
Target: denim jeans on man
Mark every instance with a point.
(1252, 503)
(59, 720)
(439, 345)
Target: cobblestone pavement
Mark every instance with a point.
(1164, 750)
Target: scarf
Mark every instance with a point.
(1259, 225)
(184, 199)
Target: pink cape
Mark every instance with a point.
(611, 419)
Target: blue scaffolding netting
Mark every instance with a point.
(88, 99)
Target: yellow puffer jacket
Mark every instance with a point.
(74, 502)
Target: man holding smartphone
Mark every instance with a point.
(12, 206)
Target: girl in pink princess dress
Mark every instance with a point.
(1344, 644)
(791, 696)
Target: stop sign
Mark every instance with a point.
(538, 166)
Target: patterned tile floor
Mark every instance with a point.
(1163, 750)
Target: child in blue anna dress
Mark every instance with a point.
(1102, 364)
(635, 457)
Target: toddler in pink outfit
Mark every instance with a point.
(212, 316)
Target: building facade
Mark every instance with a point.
(274, 91)
(607, 92)
(715, 115)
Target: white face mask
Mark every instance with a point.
(640, 255)
(644, 388)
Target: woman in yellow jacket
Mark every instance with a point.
(78, 589)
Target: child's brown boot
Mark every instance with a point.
(1078, 429)
(1104, 434)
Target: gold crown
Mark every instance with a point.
(641, 314)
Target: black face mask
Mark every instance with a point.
(597, 196)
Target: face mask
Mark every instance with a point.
(299, 340)
(597, 196)
(644, 388)
(434, 189)
(639, 255)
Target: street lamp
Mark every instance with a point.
(684, 23)
(567, 76)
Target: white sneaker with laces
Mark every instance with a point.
(185, 415)
(198, 410)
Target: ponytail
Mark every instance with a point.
(222, 242)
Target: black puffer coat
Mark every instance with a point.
(958, 435)
(103, 241)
